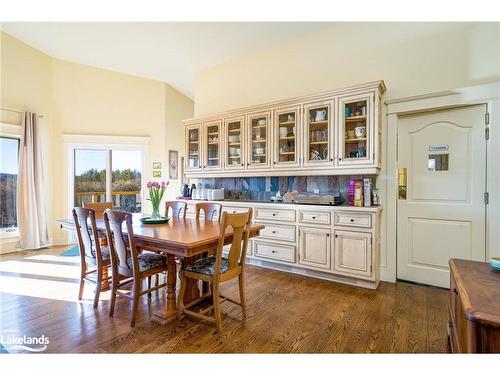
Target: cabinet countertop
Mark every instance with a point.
(246, 203)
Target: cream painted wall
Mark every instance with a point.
(412, 59)
(83, 100)
(26, 84)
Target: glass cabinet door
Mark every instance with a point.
(259, 133)
(212, 139)
(235, 141)
(355, 130)
(193, 148)
(286, 137)
(318, 134)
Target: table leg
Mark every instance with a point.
(169, 312)
(192, 288)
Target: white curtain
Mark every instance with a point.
(31, 216)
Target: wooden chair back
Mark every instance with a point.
(240, 225)
(118, 241)
(87, 238)
(178, 209)
(98, 207)
(209, 209)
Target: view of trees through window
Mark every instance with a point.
(90, 178)
(9, 149)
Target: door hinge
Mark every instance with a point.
(486, 198)
(487, 133)
(487, 118)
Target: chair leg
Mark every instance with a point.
(114, 288)
(98, 286)
(242, 295)
(157, 279)
(216, 301)
(135, 302)
(82, 281)
(149, 285)
(180, 297)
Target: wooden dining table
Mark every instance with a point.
(182, 238)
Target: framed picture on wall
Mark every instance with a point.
(156, 174)
(173, 164)
(156, 165)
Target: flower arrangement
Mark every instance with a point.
(156, 191)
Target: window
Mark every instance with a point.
(101, 174)
(9, 152)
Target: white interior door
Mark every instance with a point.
(443, 215)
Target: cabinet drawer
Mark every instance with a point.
(278, 232)
(284, 253)
(353, 219)
(314, 217)
(270, 214)
(234, 210)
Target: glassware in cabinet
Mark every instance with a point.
(286, 137)
(355, 130)
(318, 134)
(259, 125)
(193, 147)
(235, 142)
(212, 136)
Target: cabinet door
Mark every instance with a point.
(286, 137)
(353, 254)
(193, 158)
(314, 247)
(356, 130)
(259, 134)
(318, 126)
(212, 135)
(234, 139)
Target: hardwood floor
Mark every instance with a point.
(286, 314)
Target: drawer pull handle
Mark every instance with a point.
(352, 220)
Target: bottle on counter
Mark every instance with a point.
(367, 192)
(358, 193)
(350, 192)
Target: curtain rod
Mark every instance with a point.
(14, 111)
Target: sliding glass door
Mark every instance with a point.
(108, 175)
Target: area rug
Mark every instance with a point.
(72, 252)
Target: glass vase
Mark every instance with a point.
(156, 211)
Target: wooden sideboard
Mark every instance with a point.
(474, 309)
(331, 133)
(336, 243)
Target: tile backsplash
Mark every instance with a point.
(262, 188)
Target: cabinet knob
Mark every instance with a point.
(331, 159)
(328, 234)
(274, 232)
(352, 220)
(314, 217)
(340, 158)
(273, 251)
(455, 290)
(274, 213)
(336, 235)
(274, 162)
(242, 165)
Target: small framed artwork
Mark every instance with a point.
(156, 165)
(173, 164)
(156, 174)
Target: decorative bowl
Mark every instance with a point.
(495, 263)
(148, 220)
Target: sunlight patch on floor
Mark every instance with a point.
(41, 269)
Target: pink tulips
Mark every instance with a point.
(156, 191)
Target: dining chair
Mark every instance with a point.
(99, 208)
(178, 209)
(210, 210)
(218, 269)
(127, 263)
(91, 252)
